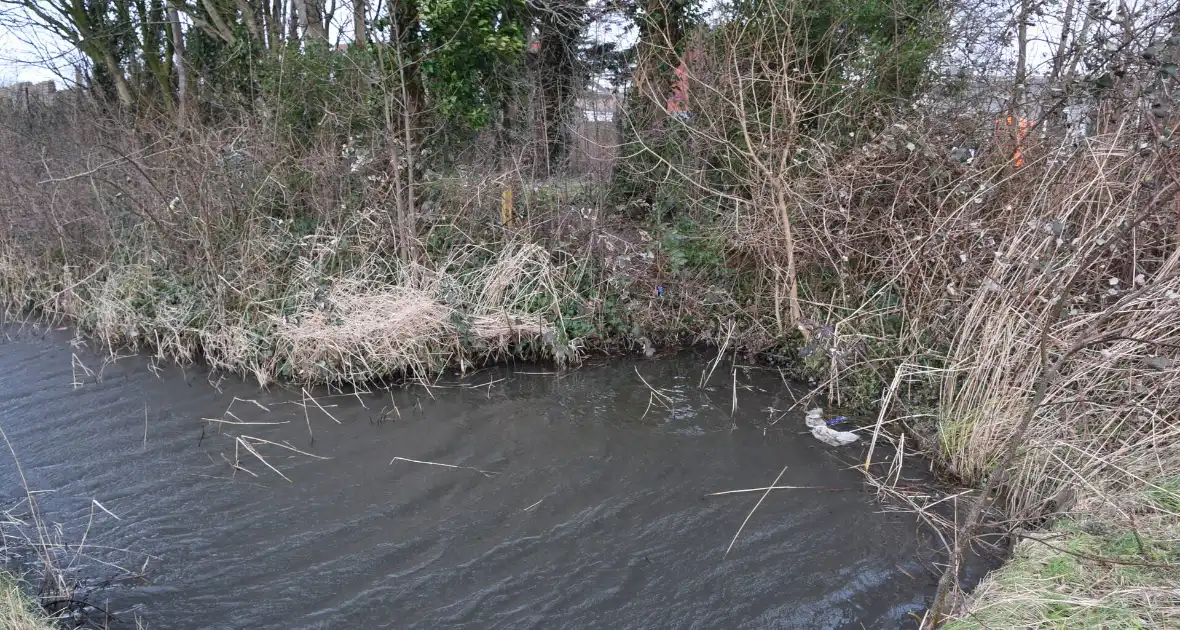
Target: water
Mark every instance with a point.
(592, 514)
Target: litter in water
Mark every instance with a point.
(826, 434)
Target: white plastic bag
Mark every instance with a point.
(826, 434)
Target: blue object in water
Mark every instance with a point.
(837, 420)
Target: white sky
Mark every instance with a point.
(23, 51)
(21, 61)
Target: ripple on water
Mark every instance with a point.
(593, 518)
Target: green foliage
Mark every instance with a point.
(226, 68)
(1058, 588)
(692, 251)
(471, 44)
(874, 51)
(664, 18)
(1061, 568)
(1166, 495)
(312, 89)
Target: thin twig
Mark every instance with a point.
(760, 500)
(767, 488)
(418, 461)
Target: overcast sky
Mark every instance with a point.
(22, 56)
(31, 54)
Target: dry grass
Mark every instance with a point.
(1029, 316)
(214, 244)
(931, 287)
(363, 329)
(1061, 379)
(17, 610)
(206, 266)
(1116, 394)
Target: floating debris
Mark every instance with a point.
(826, 434)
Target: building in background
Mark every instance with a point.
(26, 93)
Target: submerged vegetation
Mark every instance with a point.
(892, 200)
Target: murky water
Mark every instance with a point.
(591, 514)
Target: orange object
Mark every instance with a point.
(506, 209)
(678, 102)
(1016, 130)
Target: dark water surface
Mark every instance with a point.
(594, 518)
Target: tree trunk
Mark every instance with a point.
(313, 18)
(1080, 38)
(122, 89)
(272, 11)
(403, 124)
(326, 18)
(1021, 75)
(294, 20)
(223, 30)
(561, 25)
(249, 16)
(358, 23)
(98, 49)
(1063, 45)
(178, 63)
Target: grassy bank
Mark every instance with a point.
(17, 610)
(1084, 572)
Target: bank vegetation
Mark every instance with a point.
(18, 611)
(960, 217)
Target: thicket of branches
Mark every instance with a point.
(426, 125)
(423, 82)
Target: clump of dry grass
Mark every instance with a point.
(17, 610)
(402, 325)
(1090, 238)
(192, 247)
(363, 328)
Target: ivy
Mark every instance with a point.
(470, 44)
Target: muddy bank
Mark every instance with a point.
(573, 509)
